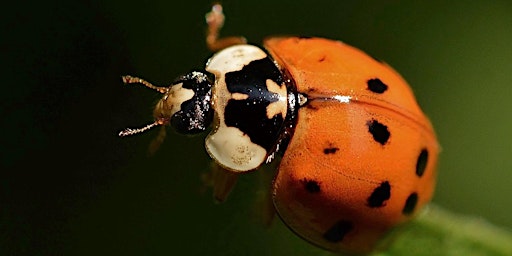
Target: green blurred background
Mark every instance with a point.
(70, 186)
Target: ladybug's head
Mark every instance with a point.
(186, 104)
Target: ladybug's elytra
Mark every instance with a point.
(357, 154)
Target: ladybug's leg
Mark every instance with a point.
(222, 181)
(264, 206)
(157, 141)
(215, 21)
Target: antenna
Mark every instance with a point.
(136, 80)
(160, 121)
(130, 131)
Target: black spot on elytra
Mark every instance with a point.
(312, 186)
(410, 204)
(379, 131)
(330, 150)
(380, 195)
(376, 85)
(322, 59)
(421, 163)
(337, 232)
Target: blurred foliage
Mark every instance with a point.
(438, 232)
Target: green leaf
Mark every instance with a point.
(439, 232)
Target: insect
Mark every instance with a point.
(357, 155)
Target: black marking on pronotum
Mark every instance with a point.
(410, 204)
(380, 195)
(421, 163)
(337, 232)
(250, 115)
(376, 85)
(331, 150)
(312, 186)
(379, 131)
(294, 103)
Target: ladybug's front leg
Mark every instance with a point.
(221, 180)
(264, 205)
(215, 21)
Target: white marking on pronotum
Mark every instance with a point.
(239, 96)
(279, 106)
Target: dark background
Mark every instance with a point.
(70, 186)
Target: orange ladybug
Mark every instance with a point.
(357, 155)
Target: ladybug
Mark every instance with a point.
(357, 155)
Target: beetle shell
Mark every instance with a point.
(355, 167)
(358, 156)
